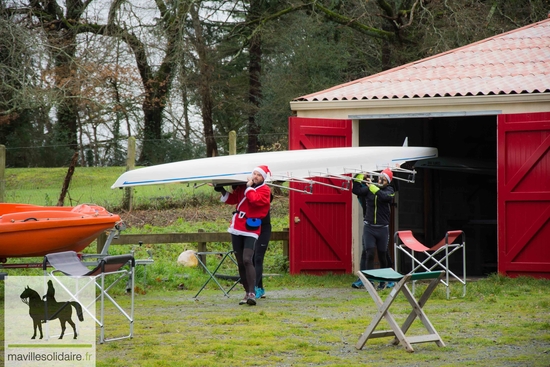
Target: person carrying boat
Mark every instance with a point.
(252, 203)
(259, 253)
(376, 201)
(260, 248)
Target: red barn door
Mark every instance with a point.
(320, 223)
(524, 194)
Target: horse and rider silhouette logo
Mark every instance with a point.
(42, 309)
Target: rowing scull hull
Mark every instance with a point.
(284, 165)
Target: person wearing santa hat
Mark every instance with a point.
(252, 204)
(376, 200)
(259, 253)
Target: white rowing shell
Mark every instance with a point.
(284, 165)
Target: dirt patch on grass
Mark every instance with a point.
(201, 212)
(166, 217)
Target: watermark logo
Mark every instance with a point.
(49, 322)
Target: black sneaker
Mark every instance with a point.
(244, 301)
(251, 301)
(381, 286)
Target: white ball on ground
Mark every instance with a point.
(188, 258)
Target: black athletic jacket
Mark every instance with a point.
(377, 205)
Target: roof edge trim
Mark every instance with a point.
(382, 116)
(421, 102)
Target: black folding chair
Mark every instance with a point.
(214, 274)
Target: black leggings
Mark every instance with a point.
(244, 253)
(259, 253)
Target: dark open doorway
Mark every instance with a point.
(458, 190)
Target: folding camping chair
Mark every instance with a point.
(113, 234)
(201, 257)
(70, 264)
(437, 256)
(390, 275)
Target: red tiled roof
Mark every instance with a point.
(510, 63)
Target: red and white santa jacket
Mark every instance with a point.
(251, 203)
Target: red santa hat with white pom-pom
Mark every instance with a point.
(388, 174)
(263, 170)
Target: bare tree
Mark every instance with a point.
(238, 62)
(62, 24)
(205, 67)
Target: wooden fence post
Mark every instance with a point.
(130, 165)
(285, 245)
(201, 247)
(232, 142)
(2, 172)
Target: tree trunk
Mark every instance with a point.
(205, 70)
(63, 43)
(152, 128)
(254, 75)
(254, 92)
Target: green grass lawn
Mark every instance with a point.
(305, 320)
(317, 320)
(42, 186)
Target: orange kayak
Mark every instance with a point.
(32, 230)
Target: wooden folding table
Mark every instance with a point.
(390, 275)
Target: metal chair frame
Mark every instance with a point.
(404, 241)
(69, 264)
(225, 255)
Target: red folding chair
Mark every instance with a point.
(436, 257)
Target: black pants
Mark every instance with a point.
(244, 253)
(259, 253)
(375, 239)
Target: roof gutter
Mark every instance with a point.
(510, 103)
